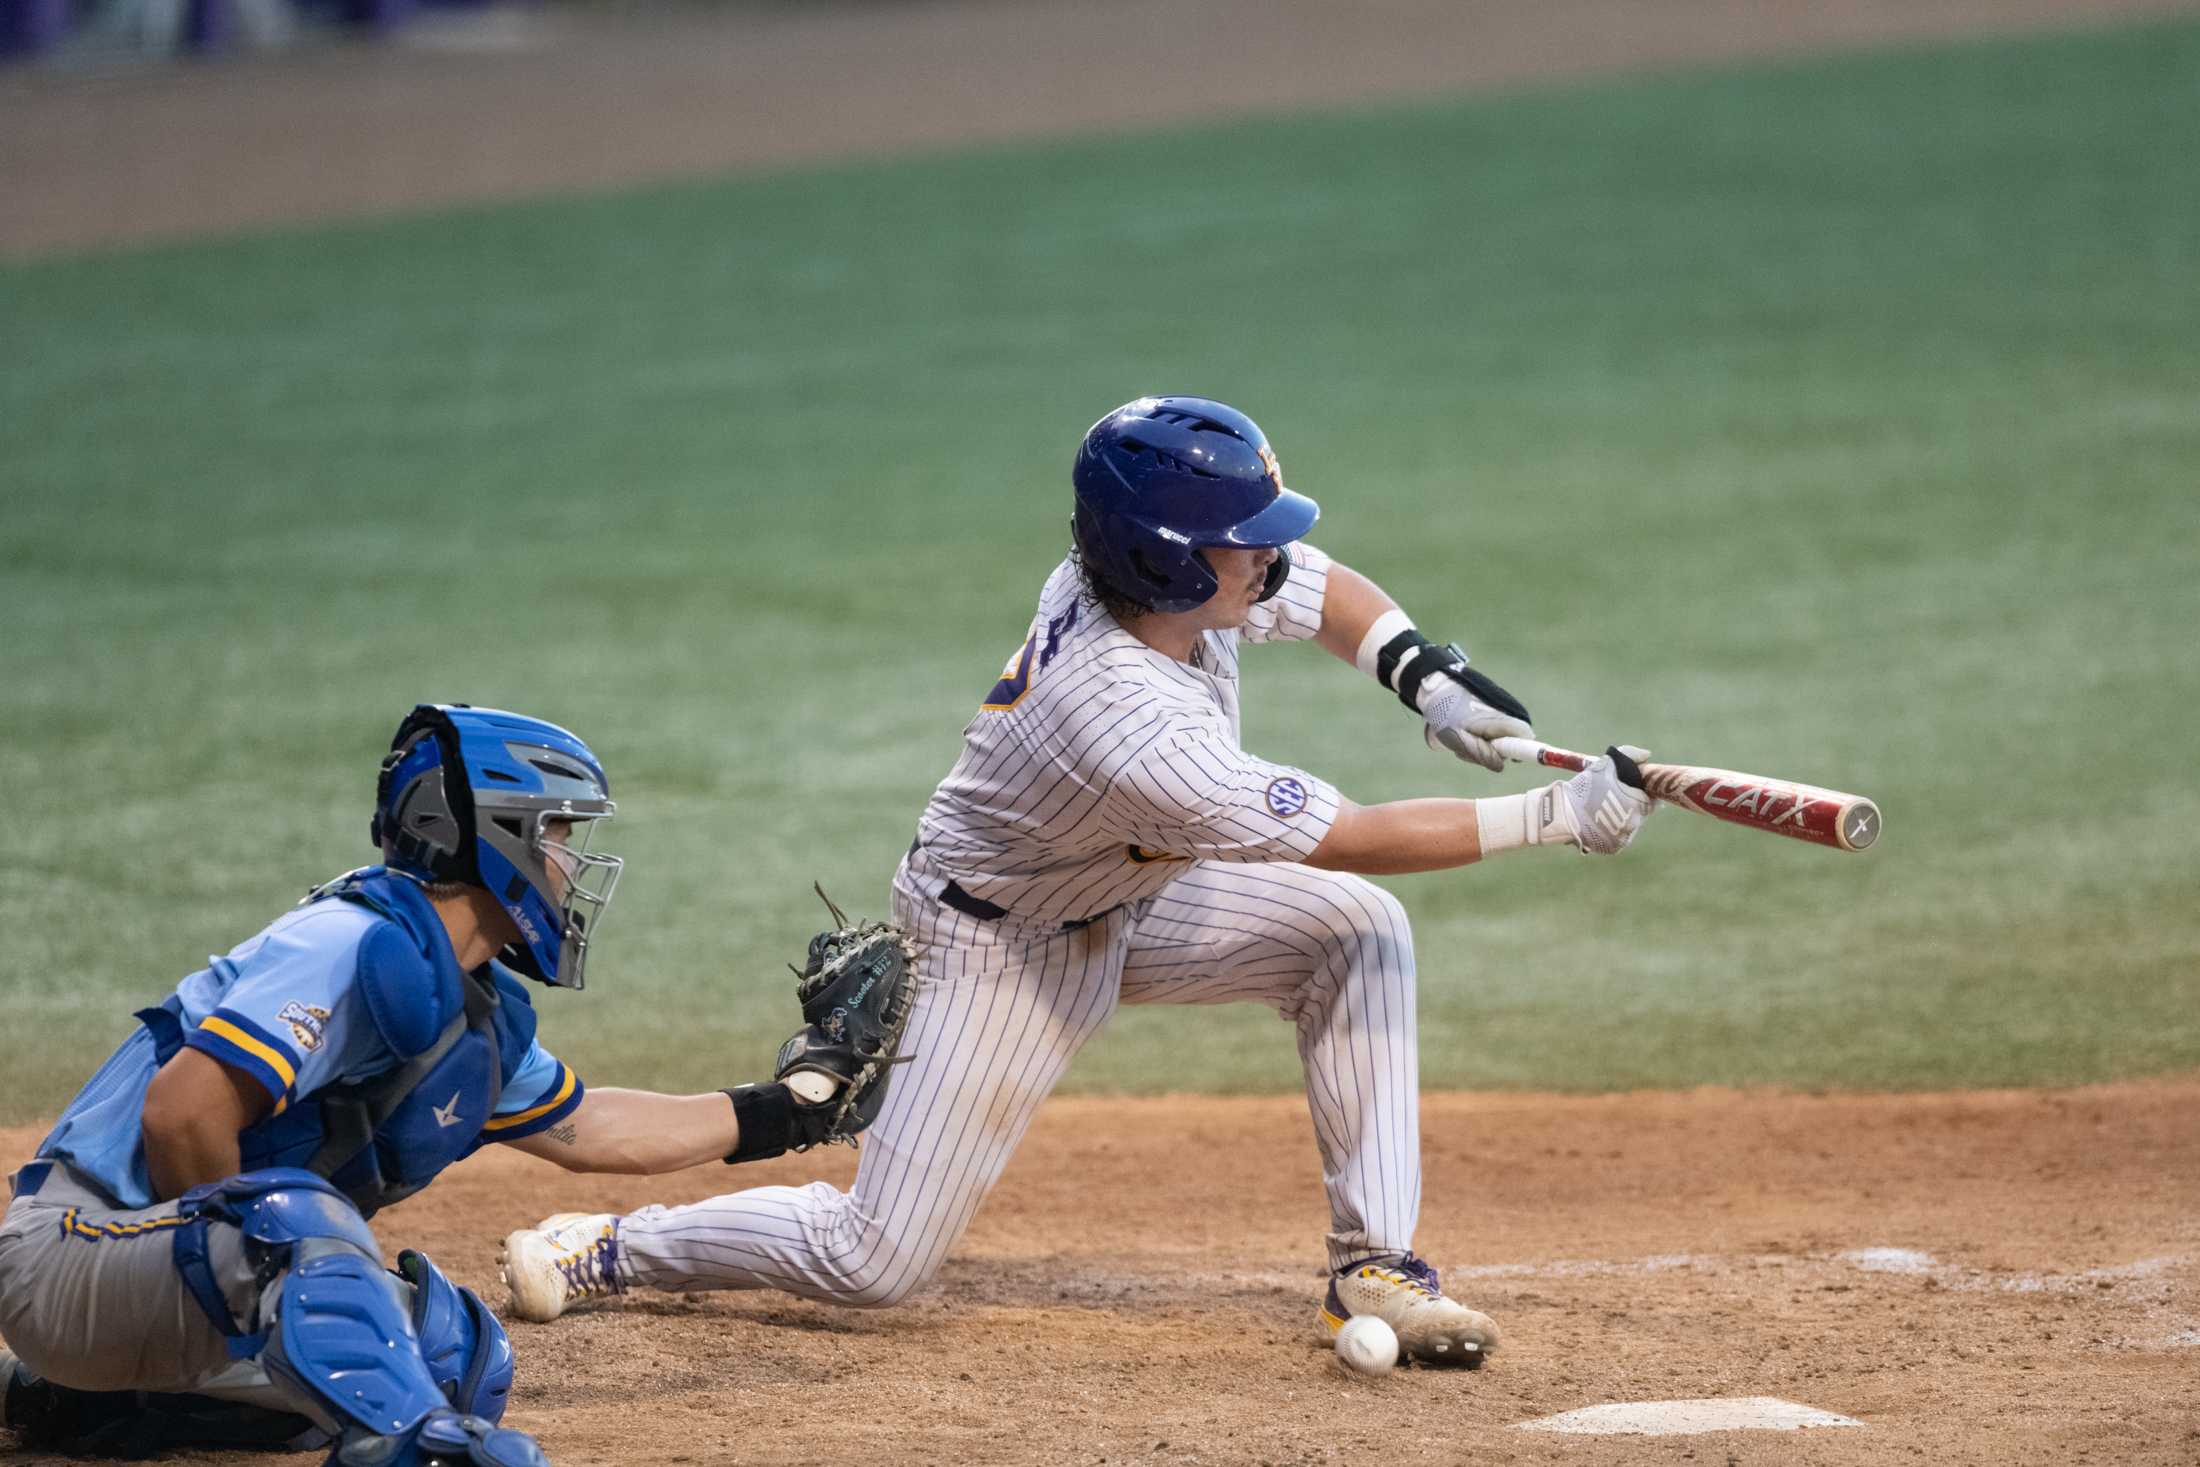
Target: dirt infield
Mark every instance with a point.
(1987, 1278)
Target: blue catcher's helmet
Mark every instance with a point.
(505, 802)
(1160, 479)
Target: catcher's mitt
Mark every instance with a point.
(856, 990)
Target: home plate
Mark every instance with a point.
(1682, 1418)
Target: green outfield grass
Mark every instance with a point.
(1838, 420)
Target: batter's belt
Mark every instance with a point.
(953, 895)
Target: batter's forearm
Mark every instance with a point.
(638, 1132)
(1463, 706)
(1401, 836)
(1596, 811)
(1350, 606)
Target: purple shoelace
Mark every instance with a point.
(594, 1268)
(1413, 1268)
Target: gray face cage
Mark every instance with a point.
(570, 879)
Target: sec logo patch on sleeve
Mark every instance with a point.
(1286, 797)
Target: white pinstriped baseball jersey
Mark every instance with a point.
(1120, 848)
(1097, 766)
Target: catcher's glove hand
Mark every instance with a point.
(856, 990)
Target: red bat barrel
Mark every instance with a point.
(1798, 811)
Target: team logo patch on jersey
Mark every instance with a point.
(1286, 797)
(308, 1023)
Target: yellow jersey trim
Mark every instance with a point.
(265, 1054)
(499, 1123)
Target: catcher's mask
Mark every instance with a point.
(508, 803)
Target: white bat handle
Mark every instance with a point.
(1520, 751)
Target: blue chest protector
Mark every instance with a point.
(458, 1039)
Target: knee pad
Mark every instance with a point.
(277, 1210)
(466, 1350)
(280, 1205)
(463, 1345)
(341, 1337)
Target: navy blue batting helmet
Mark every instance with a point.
(1160, 479)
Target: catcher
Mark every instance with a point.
(187, 1261)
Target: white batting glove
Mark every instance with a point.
(1459, 719)
(1463, 708)
(1598, 811)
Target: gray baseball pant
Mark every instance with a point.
(90, 1298)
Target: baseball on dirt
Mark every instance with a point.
(1367, 1345)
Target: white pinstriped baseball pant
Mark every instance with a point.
(1000, 1012)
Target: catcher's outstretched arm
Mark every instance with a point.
(637, 1131)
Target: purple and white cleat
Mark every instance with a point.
(565, 1258)
(1407, 1295)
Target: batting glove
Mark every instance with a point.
(1599, 810)
(1465, 710)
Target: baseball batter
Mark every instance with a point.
(1104, 839)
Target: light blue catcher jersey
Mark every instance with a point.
(284, 1008)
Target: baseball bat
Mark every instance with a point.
(1779, 806)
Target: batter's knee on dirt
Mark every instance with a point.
(884, 1293)
(869, 1288)
(887, 1274)
(872, 1264)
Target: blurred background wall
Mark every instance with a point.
(337, 108)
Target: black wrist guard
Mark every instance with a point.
(765, 1114)
(774, 1123)
(1406, 661)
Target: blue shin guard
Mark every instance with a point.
(466, 1349)
(340, 1336)
(343, 1336)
